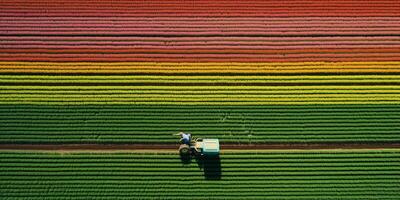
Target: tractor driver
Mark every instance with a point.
(185, 138)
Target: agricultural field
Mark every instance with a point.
(231, 124)
(283, 174)
(238, 102)
(303, 96)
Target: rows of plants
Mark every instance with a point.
(204, 67)
(284, 174)
(199, 90)
(237, 124)
(199, 78)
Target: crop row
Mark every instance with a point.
(256, 110)
(243, 124)
(197, 78)
(207, 10)
(308, 174)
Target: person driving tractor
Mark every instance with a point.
(190, 146)
(185, 138)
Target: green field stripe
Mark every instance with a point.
(88, 119)
(292, 174)
(366, 197)
(183, 97)
(208, 133)
(28, 92)
(226, 129)
(211, 124)
(217, 196)
(218, 115)
(255, 139)
(272, 156)
(195, 103)
(239, 192)
(112, 140)
(173, 122)
(221, 131)
(319, 156)
(199, 178)
(232, 183)
(272, 191)
(193, 185)
(256, 135)
(240, 195)
(366, 163)
(62, 111)
(233, 162)
(244, 124)
(255, 170)
(260, 108)
(239, 134)
(211, 88)
(145, 117)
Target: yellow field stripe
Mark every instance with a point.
(206, 88)
(204, 99)
(234, 89)
(164, 67)
(9, 91)
(43, 79)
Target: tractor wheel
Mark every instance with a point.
(184, 150)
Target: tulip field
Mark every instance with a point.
(303, 96)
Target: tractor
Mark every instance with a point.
(197, 147)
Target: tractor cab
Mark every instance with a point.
(207, 147)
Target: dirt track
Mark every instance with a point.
(276, 146)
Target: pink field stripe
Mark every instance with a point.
(197, 8)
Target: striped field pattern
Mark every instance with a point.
(243, 71)
(130, 73)
(278, 175)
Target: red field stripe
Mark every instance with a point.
(283, 32)
(305, 26)
(189, 48)
(195, 21)
(222, 51)
(191, 40)
(299, 57)
(200, 8)
(196, 45)
(208, 19)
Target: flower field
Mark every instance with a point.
(136, 102)
(303, 96)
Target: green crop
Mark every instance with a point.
(276, 174)
(231, 124)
